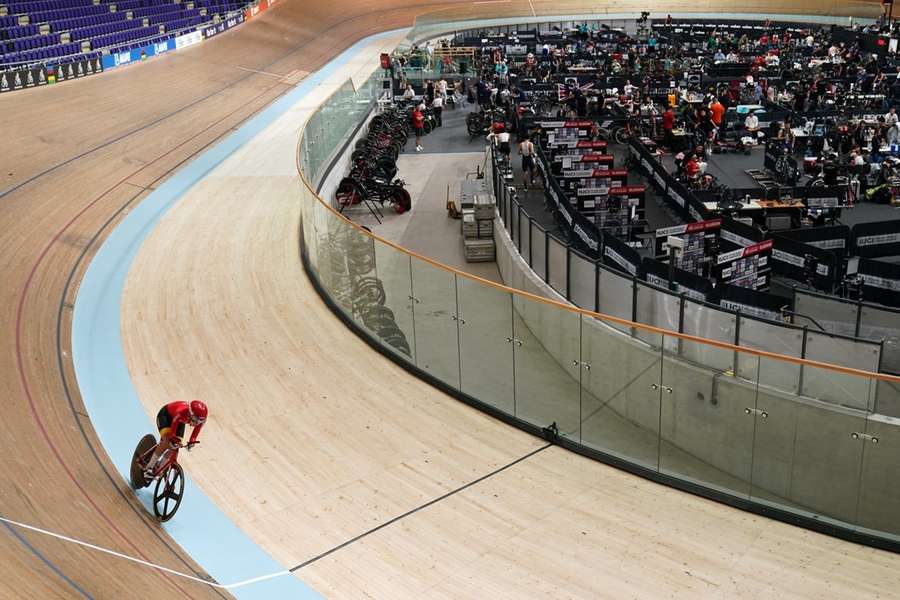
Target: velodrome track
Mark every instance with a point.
(374, 444)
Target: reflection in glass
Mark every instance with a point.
(434, 314)
(805, 457)
(706, 423)
(395, 328)
(485, 343)
(547, 364)
(620, 393)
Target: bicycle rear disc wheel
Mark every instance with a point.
(144, 446)
(168, 492)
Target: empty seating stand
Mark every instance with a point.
(57, 31)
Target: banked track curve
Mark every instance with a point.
(60, 231)
(58, 201)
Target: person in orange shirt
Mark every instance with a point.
(717, 111)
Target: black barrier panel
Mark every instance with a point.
(751, 302)
(734, 234)
(693, 286)
(679, 197)
(805, 263)
(832, 237)
(580, 229)
(871, 240)
(881, 281)
(696, 211)
(619, 255)
(834, 196)
(11, 81)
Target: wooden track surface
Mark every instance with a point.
(73, 159)
(316, 439)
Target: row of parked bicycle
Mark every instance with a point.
(373, 164)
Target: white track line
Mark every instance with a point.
(230, 586)
(531, 4)
(261, 72)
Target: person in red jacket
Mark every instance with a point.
(171, 421)
(668, 123)
(418, 122)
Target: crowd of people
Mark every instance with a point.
(817, 85)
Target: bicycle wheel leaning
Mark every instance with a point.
(168, 493)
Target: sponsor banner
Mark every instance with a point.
(225, 25)
(188, 39)
(11, 81)
(620, 260)
(829, 244)
(77, 69)
(676, 197)
(736, 239)
(627, 190)
(797, 261)
(764, 246)
(689, 227)
(880, 282)
(755, 311)
(875, 240)
(679, 289)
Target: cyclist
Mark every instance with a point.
(171, 420)
(526, 149)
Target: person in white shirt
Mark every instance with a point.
(500, 138)
(437, 107)
(409, 93)
(751, 124)
(890, 122)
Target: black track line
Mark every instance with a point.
(417, 509)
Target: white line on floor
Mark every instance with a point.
(531, 4)
(144, 562)
(260, 72)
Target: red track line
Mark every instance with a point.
(21, 309)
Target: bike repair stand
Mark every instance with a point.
(370, 204)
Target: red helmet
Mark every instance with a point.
(199, 410)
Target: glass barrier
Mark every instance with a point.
(713, 324)
(538, 247)
(777, 339)
(557, 269)
(878, 324)
(616, 296)
(657, 308)
(699, 409)
(583, 281)
(817, 311)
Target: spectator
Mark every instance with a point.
(409, 93)
(437, 107)
(890, 123)
(418, 121)
(751, 125)
(500, 138)
(668, 123)
(716, 111)
(526, 149)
